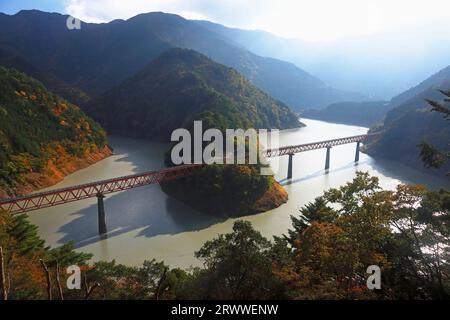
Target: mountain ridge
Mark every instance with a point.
(412, 122)
(347, 63)
(79, 55)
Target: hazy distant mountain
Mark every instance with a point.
(357, 113)
(379, 65)
(370, 113)
(179, 87)
(436, 80)
(102, 55)
(411, 122)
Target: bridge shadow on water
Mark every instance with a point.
(320, 173)
(146, 209)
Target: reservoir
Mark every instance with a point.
(145, 224)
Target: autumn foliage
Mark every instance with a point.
(325, 255)
(40, 134)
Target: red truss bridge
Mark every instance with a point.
(99, 189)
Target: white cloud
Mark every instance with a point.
(311, 20)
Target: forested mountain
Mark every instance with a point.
(91, 59)
(102, 55)
(10, 60)
(179, 87)
(410, 124)
(42, 136)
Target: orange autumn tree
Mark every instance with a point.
(405, 232)
(23, 251)
(334, 241)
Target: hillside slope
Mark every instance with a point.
(8, 59)
(91, 59)
(408, 125)
(42, 137)
(179, 87)
(370, 113)
(436, 80)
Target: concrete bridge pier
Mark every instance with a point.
(357, 151)
(101, 214)
(289, 175)
(327, 160)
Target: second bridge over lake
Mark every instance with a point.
(326, 144)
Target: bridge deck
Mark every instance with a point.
(52, 198)
(315, 145)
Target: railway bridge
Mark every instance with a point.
(328, 144)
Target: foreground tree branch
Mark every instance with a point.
(4, 294)
(58, 281)
(89, 289)
(160, 282)
(49, 280)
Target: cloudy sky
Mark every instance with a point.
(318, 20)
